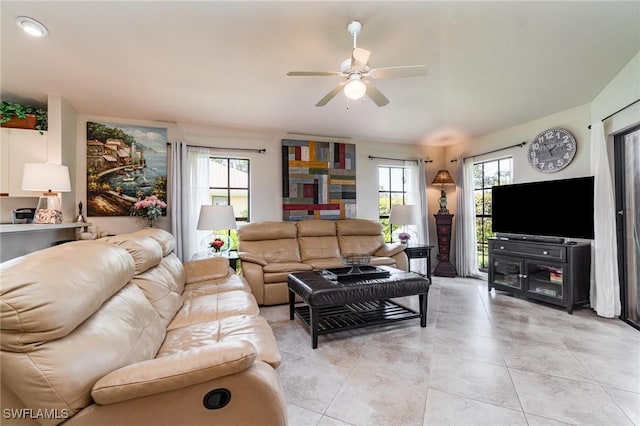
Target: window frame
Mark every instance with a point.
(228, 190)
(388, 228)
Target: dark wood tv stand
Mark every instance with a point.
(557, 273)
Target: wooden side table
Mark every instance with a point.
(419, 251)
(444, 268)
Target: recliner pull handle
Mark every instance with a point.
(216, 399)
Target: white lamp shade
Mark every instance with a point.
(216, 217)
(406, 214)
(355, 89)
(45, 177)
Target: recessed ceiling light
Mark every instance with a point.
(31, 26)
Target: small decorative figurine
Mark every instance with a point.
(80, 217)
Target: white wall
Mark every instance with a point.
(266, 168)
(621, 91)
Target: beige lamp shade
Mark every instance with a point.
(216, 218)
(443, 178)
(45, 177)
(406, 214)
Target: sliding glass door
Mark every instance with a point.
(627, 165)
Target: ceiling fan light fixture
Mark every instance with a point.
(355, 89)
(31, 26)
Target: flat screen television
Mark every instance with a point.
(555, 208)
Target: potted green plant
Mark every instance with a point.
(22, 116)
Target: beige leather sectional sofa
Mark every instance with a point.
(118, 331)
(271, 250)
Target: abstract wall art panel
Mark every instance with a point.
(318, 180)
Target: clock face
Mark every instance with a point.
(552, 150)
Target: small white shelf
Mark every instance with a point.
(32, 227)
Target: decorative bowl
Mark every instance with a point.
(355, 260)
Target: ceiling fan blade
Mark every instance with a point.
(396, 72)
(360, 56)
(331, 94)
(313, 73)
(376, 95)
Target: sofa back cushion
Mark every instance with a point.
(160, 276)
(63, 330)
(317, 239)
(163, 286)
(145, 251)
(275, 241)
(166, 240)
(359, 236)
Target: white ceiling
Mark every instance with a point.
(491, 64)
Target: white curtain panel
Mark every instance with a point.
(465, 219)
(189, 175)
(178, 152)
(417, 195)
(605, 287)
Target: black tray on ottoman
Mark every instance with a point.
(345, 274)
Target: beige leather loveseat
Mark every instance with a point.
(270, 251)
(118, 331)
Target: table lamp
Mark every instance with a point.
(52, 178)
(404, 215)
(443, 178)
(217, 218)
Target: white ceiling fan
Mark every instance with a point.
(357, 73)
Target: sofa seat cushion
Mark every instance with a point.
(230, 283)
(382, 260)
(318, 264)
(254, 329)
(286, 267)
(213, 307)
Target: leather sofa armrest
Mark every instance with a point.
(211, 268)
(173, 372)
(389, 249)
(246, 256)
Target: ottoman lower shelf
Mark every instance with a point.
(356, 315)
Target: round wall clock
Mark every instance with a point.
(552, 150)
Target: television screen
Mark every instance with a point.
(555, 208)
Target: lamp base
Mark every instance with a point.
(443, 203)
(48, 210)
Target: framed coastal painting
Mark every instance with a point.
(318, 180)
(125, 164)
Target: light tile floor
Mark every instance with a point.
(483, 359)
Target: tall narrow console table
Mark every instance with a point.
(444, 268)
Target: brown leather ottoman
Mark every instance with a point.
(332, 305)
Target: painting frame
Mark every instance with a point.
(125, 163)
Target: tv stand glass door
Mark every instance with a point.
(545, 278)
(506, 273)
